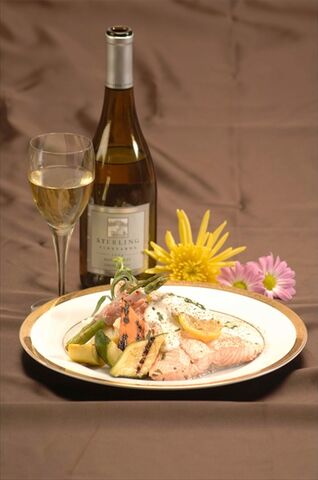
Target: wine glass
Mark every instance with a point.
(61, 174)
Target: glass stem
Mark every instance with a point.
(61, 240)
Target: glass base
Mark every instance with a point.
(39, 303)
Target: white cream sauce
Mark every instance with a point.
(161, 313)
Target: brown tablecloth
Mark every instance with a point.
(227, 97)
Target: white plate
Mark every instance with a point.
(284, 334)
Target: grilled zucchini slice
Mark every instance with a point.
(137, 358)
(86, 354)
(113, 353)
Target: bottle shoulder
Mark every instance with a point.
(119, 109)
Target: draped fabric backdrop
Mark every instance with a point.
(227, 95)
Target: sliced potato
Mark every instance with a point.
(138, 358)
(84, 354)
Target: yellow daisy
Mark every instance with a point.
(195, 262)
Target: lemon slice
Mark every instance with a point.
(204, 330)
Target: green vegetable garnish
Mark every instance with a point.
(99, 303)
(131, 283)
(87, 332)
(122, 273)
(101, 342)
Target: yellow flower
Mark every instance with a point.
(195, 262)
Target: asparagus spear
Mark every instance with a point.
(87, 332)
(130, 282)
(149, 284)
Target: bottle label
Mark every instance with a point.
(117, 231)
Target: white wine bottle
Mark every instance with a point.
(120, 219)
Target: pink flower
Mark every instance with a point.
(278, 280)
(247, 277)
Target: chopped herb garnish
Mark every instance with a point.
(197, 304)
(230, 325)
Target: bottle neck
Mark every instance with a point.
(120, 103)
(118, 121)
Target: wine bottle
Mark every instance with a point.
(120, 219)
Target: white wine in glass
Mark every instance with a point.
(61, 174)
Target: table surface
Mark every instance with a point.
(227, 98)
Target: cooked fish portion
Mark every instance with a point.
(171, 365)
(183, 357)
(194, 358)
(229, 350)
(199, 354)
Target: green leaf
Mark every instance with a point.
(99, 303)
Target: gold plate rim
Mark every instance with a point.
(297, 322)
